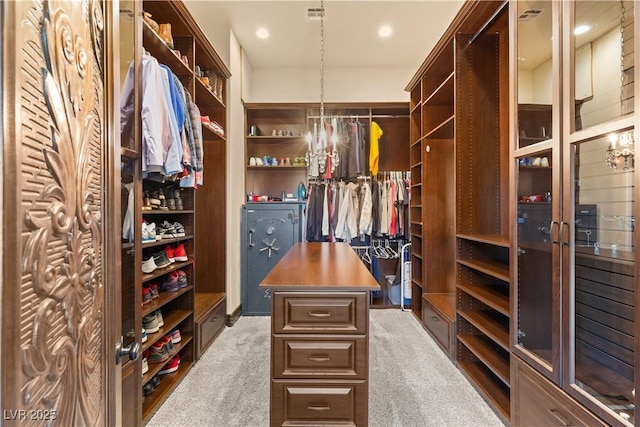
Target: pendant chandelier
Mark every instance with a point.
(319, 148)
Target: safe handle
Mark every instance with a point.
(251, 231)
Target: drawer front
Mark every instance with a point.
(438, 325)
(319, 312)
(320, 356)
(209, 327)
(328, 403)
(539, 402)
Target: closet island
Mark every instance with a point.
(319, 335)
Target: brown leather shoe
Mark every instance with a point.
(165, 34)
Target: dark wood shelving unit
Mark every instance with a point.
(460, 152)
(163, 299)
(486, 352)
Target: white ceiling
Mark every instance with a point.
(351, 30)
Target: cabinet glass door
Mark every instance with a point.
(535, 71)
(603, 283)
(537, 288)
(603, 56)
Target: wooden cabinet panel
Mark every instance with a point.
(441, 328)
(320, 356)
(538, 402)
(319, 403)
(314, 312)
(209, 326)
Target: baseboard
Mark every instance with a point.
(233, 317)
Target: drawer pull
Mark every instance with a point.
(318, 407)
(559, 417)
(319, 314)
(213, 319)
(319, 358)
(434, 318)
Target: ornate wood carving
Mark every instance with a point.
(59, 145)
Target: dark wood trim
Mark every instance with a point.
(233, 317)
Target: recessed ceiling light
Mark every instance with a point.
(581, 29)
(385, 31)
(262, 33)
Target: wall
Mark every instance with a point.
(235, 171)
(605, 104)
(341, 84)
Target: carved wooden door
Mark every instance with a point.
(59, 268)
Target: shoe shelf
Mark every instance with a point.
(276, 167)
(209, 133)
(498, 394)
(491, 239)
(492, 296)
(164, 298)
(276, 138)
(168, 212)
(167, 384)
(205, 98)
(489, 323)
(162, 271)
(159, 50)
(492, 268)
(166, 241)
(154, 368)
(496, 359)
(172, 320)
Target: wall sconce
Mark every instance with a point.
(621, 150)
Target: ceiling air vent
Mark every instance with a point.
(529, 15)
(315, 13)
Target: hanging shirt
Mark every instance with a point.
(374, 149)
(365, 211)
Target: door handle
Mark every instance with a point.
(551, 228)
(251, 231)
(562, 227)
(132, 350)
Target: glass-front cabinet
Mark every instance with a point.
(537, 162)
(599, 276)
(574, 204)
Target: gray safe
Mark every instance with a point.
(268, 231)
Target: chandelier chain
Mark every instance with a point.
(322, 62)
(622, 71)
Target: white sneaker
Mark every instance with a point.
(145, 366)
(252, 161)
(537, 161)
(149, 265)
(145, 234)
(544, 162)
(151, 229)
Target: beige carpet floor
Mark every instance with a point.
(412, 382)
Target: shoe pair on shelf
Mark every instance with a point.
(167, 230)
(155, 261)
(149, 292)
(151, 386)
(152, 322)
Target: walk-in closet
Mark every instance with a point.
(324, 212)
